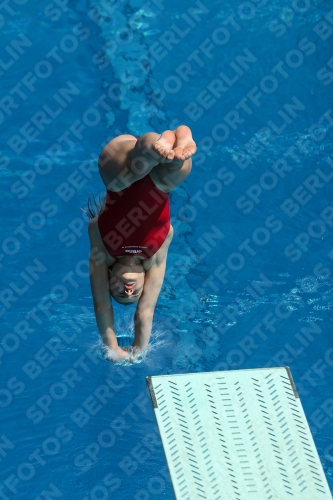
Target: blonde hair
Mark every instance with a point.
(94, 208)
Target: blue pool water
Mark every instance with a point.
(249, 278)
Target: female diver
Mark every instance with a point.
(131, 234)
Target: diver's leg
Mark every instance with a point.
(126, 160)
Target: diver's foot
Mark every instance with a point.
(164, 146)
(185, 146)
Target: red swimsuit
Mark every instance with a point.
(135, 221)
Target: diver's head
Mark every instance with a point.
(126, 282)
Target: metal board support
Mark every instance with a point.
(237, 435)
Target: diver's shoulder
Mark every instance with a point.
(162, 253)
(96, 242)
(171, 233)
(93, 226)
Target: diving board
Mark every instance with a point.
(237, 435)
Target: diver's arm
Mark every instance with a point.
(104, 310)
(99, 281)
(143, 319)
(102, 303)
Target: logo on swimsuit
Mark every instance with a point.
(133, 251)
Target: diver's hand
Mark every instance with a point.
(124, 355)
(118, 355)
(135, 354)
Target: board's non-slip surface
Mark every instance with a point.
(237, 435)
